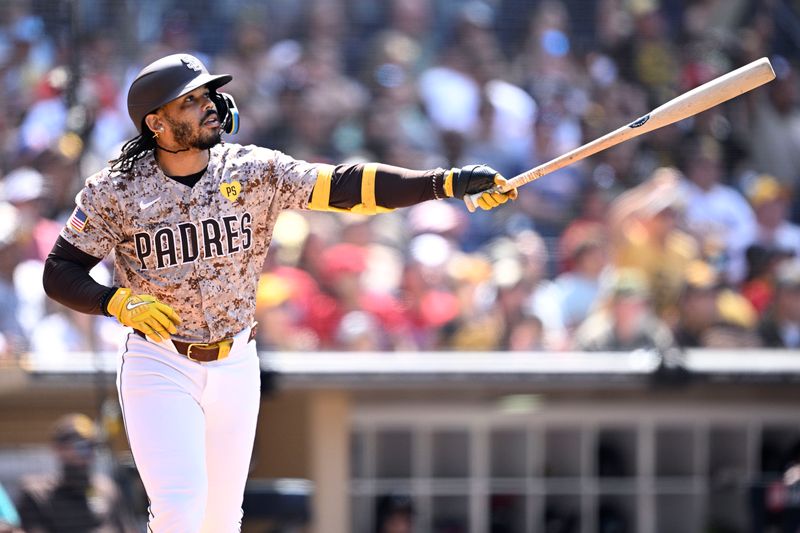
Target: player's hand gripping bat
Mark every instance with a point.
(697, 100)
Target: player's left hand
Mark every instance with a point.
(473, 179)
(145, 313)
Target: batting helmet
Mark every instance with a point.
(173, 76)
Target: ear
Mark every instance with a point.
(154, 122)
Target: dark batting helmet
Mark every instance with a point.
(172, 76)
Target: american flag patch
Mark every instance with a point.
(77, 220)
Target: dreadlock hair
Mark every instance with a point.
(134, 150)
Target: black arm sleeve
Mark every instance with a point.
(66, 279)
(394, 186)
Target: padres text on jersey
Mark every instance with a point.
(186, 242)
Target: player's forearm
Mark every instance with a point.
(387, 186)
(66, 279)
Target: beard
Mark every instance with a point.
(188, 137)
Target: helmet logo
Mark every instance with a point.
(192, 63)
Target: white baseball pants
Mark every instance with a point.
(191, 428)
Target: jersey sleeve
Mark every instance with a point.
(295, 180)
(94, 226)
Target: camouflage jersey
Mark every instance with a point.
(198, 249)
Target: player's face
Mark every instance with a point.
(193, 120)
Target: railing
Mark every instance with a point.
(559, 368)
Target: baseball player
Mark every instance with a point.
(189, 219)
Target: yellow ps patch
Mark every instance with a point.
(230, 190)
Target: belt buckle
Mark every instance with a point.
(197, 345)
(223, 349)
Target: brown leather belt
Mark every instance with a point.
(203, 352)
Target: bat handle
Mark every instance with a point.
(471, 200)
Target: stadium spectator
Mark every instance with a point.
(697, 306)
(780, 328)
(771, 201)
(580, 286)
(394, 514)
(27, 54)
(775, 135)
(588, 222)
(526, 335)
(427, 303)
(75, 499)
(736, 326)
(13, 339)
(343, 295)
(72, 332)
(549, 204)
(26, 189)
(646, 235)
(648, 56)
(627, 322)
(759, 283)
(274, 315)
(542, 299)
(716, 214)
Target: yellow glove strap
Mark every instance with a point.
(117, 300)
(448, 184)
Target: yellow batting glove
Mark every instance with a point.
(477, 179)
(492, 198)
(145, 313)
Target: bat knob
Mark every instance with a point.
(471, 201)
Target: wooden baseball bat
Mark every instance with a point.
(697, 100)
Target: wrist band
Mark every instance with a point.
(433, 181)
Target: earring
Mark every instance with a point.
(156, 134)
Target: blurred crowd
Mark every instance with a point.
(685, 237)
